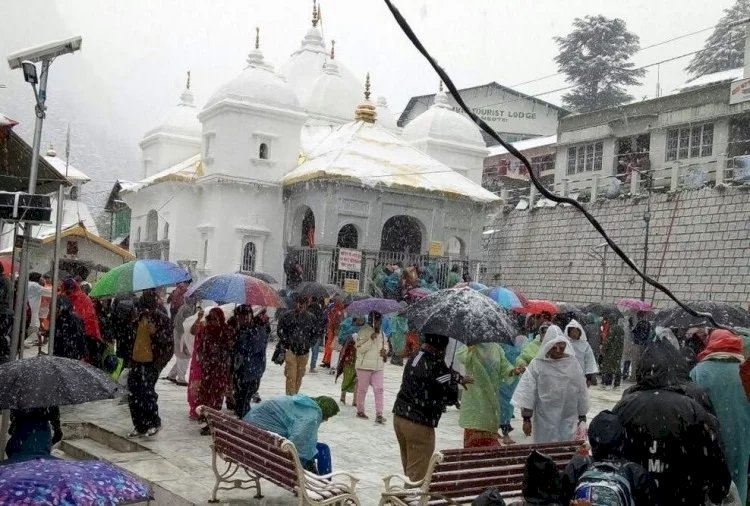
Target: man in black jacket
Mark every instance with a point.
(428, 385)
(607, 437)
(671, 435)
(296, 332)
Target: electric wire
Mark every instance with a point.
(406, 28)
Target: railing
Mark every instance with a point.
(321, 264)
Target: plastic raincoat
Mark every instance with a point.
(556, 391)
(531, 348)
(718, 373)
(582, 349)
(347, 329)
(295, 417)
(487, 365)
(395, 328)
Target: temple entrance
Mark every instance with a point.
(308, 229)
(348, 237)
(401, 234)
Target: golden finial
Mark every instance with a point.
(187, 85)
(366, 111)
(315, 14)
(367, 87)
(257, 37)
(440, 86)
(333, 49)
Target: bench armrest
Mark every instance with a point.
(405, 485)
(330, 476)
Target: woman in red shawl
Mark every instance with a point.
(214, 356)
(84, 308)
(335, 316)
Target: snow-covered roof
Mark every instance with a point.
(186, 171)
(71, 173)
(74, 212)
(78, 230)
(716, 77)
(536, 142)
(440, 122)
(370, 155)
(181, 119)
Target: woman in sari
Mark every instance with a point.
(335, 313)
(346, 366)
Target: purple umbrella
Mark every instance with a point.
(382, 306)
(635, 304)
(53, 481)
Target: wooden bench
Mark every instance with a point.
(459, 476)
(262, 454)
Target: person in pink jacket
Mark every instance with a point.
(371, 356)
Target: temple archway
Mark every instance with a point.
(348, 237)
(402, 234)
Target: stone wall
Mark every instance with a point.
(699, 247)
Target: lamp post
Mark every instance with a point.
(27, 60)
(602, 257)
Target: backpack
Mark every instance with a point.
(604, 485)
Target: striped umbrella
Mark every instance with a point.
(237, 288)
(139, 275)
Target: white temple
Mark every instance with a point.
(300, 160)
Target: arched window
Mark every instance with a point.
(152, 226)
(248, 257)
(205, 252)
(138, 235)
(263, 151)
(166, 231)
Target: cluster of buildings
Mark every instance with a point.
(301, 160)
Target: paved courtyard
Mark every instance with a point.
(177, 461)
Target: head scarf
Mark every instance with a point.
(723, 344)
(217, 313)
(327, 405)
(575, 325)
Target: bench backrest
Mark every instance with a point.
(244, 444)
(466, 473)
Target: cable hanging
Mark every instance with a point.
(535, 181)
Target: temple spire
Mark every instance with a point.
(315, 14)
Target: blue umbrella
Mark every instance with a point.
(238, 288)
(503, 296)
(366, 306)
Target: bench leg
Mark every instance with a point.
(251, 482)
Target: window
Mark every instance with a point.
(166, 231)
(690, 142)
(205, 252)
(263, 151)
(138, 235)
(586, 157)
(152, 226)
(540, 164)
(248, 257)
(208, 141)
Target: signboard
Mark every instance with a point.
(436, 249)
(351, 285)
(739, 91)
(350, 260)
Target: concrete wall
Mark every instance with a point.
(698, 247)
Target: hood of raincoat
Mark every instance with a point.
(666, 334)
(723, 344)
(606, 435)
(575, 325)
(659, 367)
(551, 340)
(552, 332)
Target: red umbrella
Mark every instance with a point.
(535, 306)
(521, 296)
(5, 261)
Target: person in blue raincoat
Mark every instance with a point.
(718, 372)
(512, 351)
(296, 418)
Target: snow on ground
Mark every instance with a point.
(181, 462)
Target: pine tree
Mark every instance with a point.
(595, 57)
(725, 48)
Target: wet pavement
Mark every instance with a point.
(177, 461)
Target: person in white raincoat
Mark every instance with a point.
(552, 393)
(585, 355)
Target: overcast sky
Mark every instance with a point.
(135, 54)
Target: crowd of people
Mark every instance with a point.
(679, 435)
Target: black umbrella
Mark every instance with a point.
(572, 311)
(463, 314)
(317, 290)
(724, 314)
(46, 381)
(609, 311)
(262, 276)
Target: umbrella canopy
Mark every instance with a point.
(46, 381)
(366, 306)
(521, 296)
(538, 306)
(724, 314)
(352, 297)
(237, 288)
(634, 304)
(463, 314)
(262, 276)
(573, 311)
(418, 293)
(139, 275)
(317, 290)
(53, 481)
(503, 296)
(472, 284)
(5, 261)
(604, 310)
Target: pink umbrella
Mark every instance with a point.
(635, 304)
